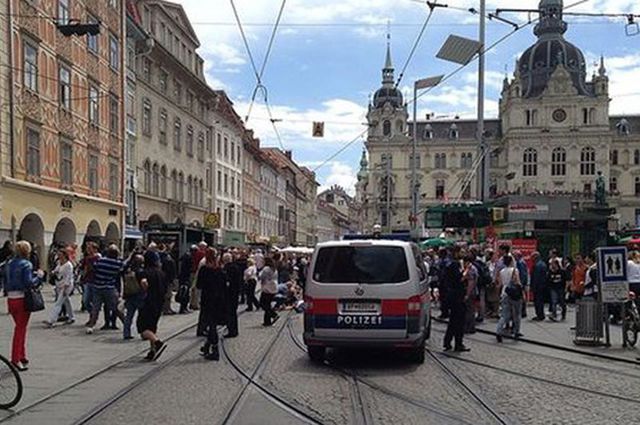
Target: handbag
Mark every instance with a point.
(513, 291)
(33, 299)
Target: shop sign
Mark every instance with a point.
(522, 209)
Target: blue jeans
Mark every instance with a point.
(87, 297)
(108, 297)
(557, 297)
(131, 304)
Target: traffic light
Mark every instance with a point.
(76, 28)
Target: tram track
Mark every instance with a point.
(98, 374)
(432, 409)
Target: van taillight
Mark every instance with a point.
(414, 305)
(308, 305)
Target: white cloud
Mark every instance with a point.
(340, 174)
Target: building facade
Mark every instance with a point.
(343, 210)
(251, 187)
(174, 151)
(553, 137)
(61, 143)
(269, 200)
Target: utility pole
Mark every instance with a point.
(388, 183)
(414, 165)
(483, 180)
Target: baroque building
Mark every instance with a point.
(553, 137)
(62, 123)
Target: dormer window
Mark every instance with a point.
(428, 132)
(454, 134)
(623, 127)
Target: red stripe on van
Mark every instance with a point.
(394, 307)
(325, 306)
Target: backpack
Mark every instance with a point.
(131, 285)
(484, 276)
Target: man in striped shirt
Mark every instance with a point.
(107, 274)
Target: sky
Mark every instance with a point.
(327, 57)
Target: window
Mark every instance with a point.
(63, 12)
(33, 152)
(147, 177)
(219, 182)
(64, 76)
(454, 134)
(177, 91)
(613, 157)
(428, 132)
(177, 135)
(238, 154)
(94, 117)
(146, 117)
(637, 186)
(233, 186)
(92, 40)
(113, 180)
(189, 141)
(226, 148)
(386, 128)
(93, 172)
(30, 66)
(613, 184)
(114, 54)
(530, 163)
(114, 116)
(162, 81)
(66, 163)
(146, 69)
(226, 184)
(585, 116)
(189, 190)
(413, 160)
(238, 189)
(233, 152)
(559, 162)
(200, 146)
(636, 157)
(162, 121)
(201, 190)
(155, 180)
(441, 161)
(531, 117)
(588, 162)
(466, 160)
(163, 182)
(587, 188)
(368, 264)
(181, 187)
(174, 185)
(440, 189)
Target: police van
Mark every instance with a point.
(367, 293)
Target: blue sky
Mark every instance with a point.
(328, 54)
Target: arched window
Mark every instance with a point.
(386, 128)
(174, 185)
(439, 189)
(613, 184)
(454, 134)
(399, 127)
(177, 134)
(613, 157)
(466, 160)
(147, 177)
(588, 161)
(155, 187)
(189, 190)
(559, 162)
(181, 187)
(189, 140)
(163, 181)
(530, 163)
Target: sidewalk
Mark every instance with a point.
(560, 333)
(65, 354)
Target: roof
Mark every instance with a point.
(467, 129)
(181, 18)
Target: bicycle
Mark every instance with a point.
(10, 384)
(630, 321)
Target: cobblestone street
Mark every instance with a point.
(514, 383)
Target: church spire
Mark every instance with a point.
(602, 71)
(388, 77)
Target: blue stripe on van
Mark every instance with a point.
(359, 322)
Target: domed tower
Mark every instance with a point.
(538, 63)
(387, 116)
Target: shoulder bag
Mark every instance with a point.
(33, 299)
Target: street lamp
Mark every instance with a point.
(418, 85)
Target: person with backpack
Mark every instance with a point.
(557, 281)
(132, 292)
(508, 282)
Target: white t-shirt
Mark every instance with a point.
(506, 276)
(633, 270)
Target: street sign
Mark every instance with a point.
(318, 129)
(612, 268)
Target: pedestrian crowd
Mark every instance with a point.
(474, 284)
(142, 285)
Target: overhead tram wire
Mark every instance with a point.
(432, 7)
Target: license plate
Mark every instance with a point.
(360, 307)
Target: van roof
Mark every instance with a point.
(364, 242)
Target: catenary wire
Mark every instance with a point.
(415, 46)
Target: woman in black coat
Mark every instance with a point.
(212, 282)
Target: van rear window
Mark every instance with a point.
(361, 264)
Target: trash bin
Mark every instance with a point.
(589, 325)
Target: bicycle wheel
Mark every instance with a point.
(10, 384)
